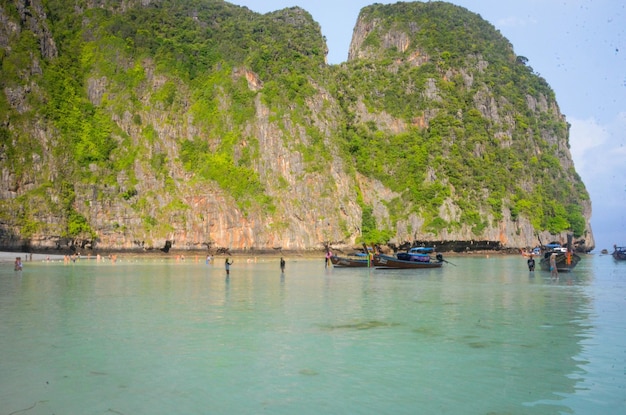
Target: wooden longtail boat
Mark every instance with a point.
(619, 253)
(566, 260)
(419, 254)
(347, 262)
(390, 262)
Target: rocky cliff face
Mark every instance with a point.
(157, 199)
(505, 231)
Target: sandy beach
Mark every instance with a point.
(9, 257)
(26, 257)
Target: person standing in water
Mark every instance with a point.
(282, 265)
(227, 265)
(554, 272)
(531, 263)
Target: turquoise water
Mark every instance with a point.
(161, 337)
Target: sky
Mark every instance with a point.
(577, 46)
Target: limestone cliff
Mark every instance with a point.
(223, 128)
(398, 45)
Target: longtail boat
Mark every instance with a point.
(566, 259)
(391, 262)
(348, 262)
(419, 254)
(619, 253)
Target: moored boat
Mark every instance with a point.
(391, 262)
(419, 254)
(566, 259)
(619, 253)
(350, 262)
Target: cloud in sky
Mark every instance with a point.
(586, 140)
(599, 151)
(599, 154)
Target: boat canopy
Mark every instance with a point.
(421, 250)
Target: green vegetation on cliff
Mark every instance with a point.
(482, 140)
(131, 107)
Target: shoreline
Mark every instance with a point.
(9, 256)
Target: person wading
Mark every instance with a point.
(554, 272)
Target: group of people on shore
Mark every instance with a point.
(75, 257)
(67, 259)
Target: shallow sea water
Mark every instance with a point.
(165, 337)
